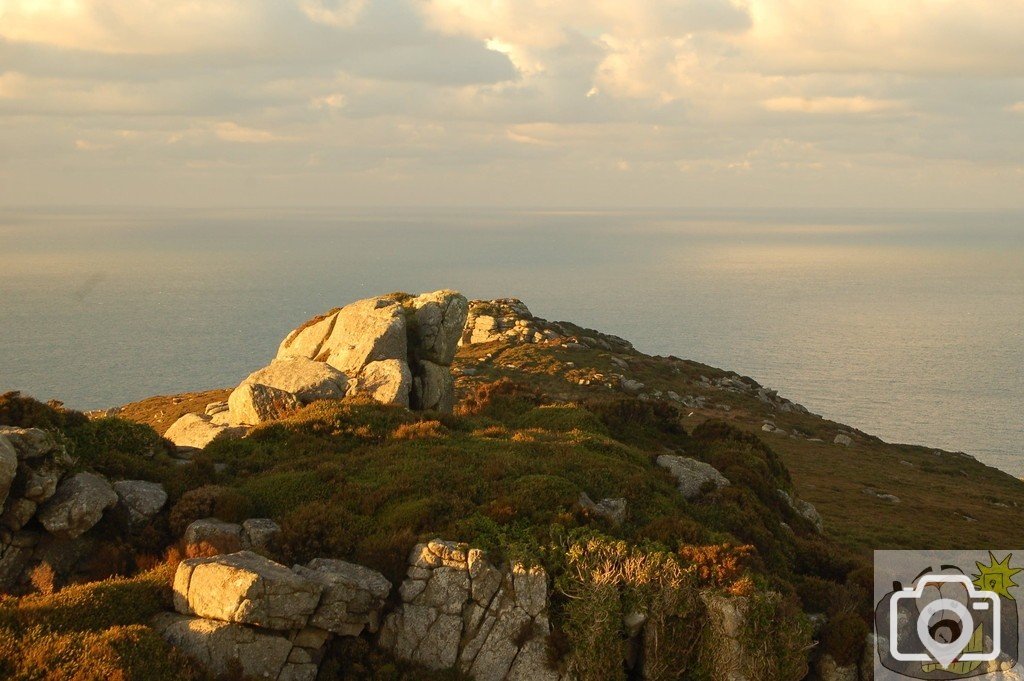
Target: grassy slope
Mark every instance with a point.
(940, 492)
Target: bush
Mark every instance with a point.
(25, 412)
(208, 501)
(318, 530)
(843, 638)
(500, 399)
(420, 430)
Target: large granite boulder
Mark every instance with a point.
(193, 432)
(459, 609)
(305, 378)
(253, 403)
(438, 321)
(693, 477)
(77, 505)
(140, 499)
(387, 381)
(352, 599)
(365, 331)
(247, 588)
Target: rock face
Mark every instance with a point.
(243, 610)
(304, 378)
(253, 403)
(140, 499)
(388, 381)
(693, 477)
(458, 609)
(77, 505)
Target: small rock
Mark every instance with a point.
(693, 477)
(210, 536)
(77, 505)
(843, 439)
(613, 510)
(260, 535)
(141, 499)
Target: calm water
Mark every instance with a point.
(907, 326)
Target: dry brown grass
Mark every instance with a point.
(162, 411)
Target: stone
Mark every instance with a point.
(210, 536)
(726, 617)
(531, 588)
(260, 535)
(246, 588)
(630, 386)
(77, 505)
(843, 439)
(612, 510)
(531, 663)
(8, 467)
(366, 331)
(386, 381)
(433, 388)
(221, 647)
(308, 380)
(41, 478)
(805, 509)
(693, 477)
(214, 408)
(352, 599)
(140, 499)
(194, 432)
(306, 340)
(440, 318)
(254, 403)
(29, 443)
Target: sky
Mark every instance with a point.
(908, 104)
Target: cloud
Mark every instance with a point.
(831, 105)
(727, 100)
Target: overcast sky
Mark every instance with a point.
(572, 103)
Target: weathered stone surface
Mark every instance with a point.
(306, 340)
(41, 477)
(459, 609)
(77, 505)
(8, 467)
(253, 403)
(194, 432)
(440, 318)
(843, 439)
(726, 617)
(221, 647)
(433, 387)
(210, 536)
(693, 477)
(366, 331)
(386, 381)
(805, 509)
(29, 443)
(141, 499)
(613, 510)
(247, 588)
(352, 598)
(260, 535)
(308, 380)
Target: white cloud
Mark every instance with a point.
(230, 131)
(831, 105)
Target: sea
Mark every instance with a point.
(909, 326)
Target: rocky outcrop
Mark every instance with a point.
(253, 403)
(693, 477)
(77, 505)
(244, 611)
(460, 610)
(612, 510)
(388, 381)
(510, 321)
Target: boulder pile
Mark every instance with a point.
(460, 610)
(242, 611)
(395, 349)
(45, 510)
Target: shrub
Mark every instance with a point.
(420, 430)
(25, 412)
(318, 530)
(500, 399)
(276, 494)
(843, 638)
(208, 501)
(43, 578)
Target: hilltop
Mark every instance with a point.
(512, 497)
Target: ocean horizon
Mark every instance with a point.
(905, 325)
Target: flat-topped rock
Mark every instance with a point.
(193, 432)
(247, 588)
(306, 379)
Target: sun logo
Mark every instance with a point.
(997, 576)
